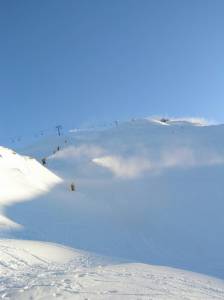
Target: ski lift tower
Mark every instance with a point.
(59, 128)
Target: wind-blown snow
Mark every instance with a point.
(127, 168)
(182, 121)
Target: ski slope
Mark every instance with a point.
(37, 270)
(147, 193)
(155, 188)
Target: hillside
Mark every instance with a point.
(154, 188)
(146, 192)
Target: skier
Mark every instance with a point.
(44, 161)
(72, 187)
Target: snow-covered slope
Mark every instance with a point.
(146, 191)
(21, 178)
(35, 270)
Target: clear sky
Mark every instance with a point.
(77, 62)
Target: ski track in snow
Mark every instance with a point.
(78, 280)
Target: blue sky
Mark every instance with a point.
(79, 62)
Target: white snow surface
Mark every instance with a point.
(21, 178)
(37, 270)
(146, 193)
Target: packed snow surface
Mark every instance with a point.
(146, 192)
(35, 270)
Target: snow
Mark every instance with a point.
(31, 251)
(37, 270)
(146, 194)
(21, 177)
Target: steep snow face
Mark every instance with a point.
(21, 178)
(145, 190)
